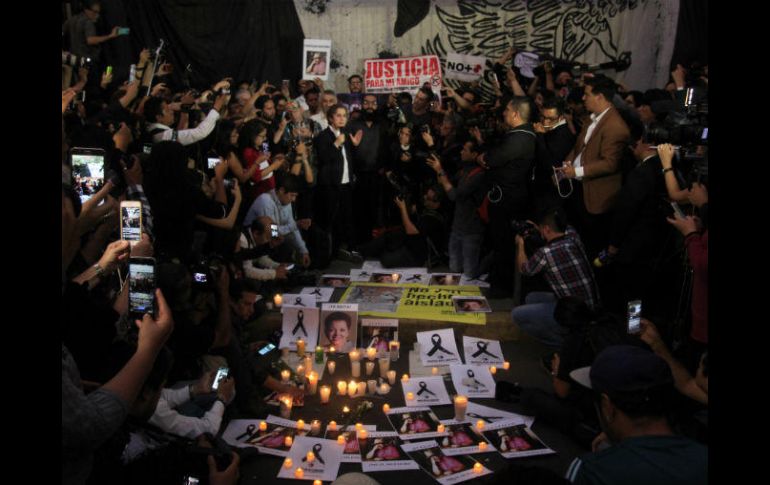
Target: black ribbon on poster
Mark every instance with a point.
(424, 388)
(436, 340)
(488, 419)
(300, 323)
(317, 452)
(483, 350)
(298, 302)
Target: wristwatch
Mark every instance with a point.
(667, 170)
(99, 270)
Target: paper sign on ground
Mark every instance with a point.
(445, 279)
(428, 391)
(339, 326)
(471, 304)
(296, 299)
(322, 295)
(414, 422)
(360, 275)
(335, 280)
(443, 468)
(417, 277)
(325, 465)
(381, 452)
(438, 347)
(463, 439)
(416, 369)
(350, 453)
(473, 380)
(386, 276)
(480, 351)
(299, 323)
(475, 411)
(515, 440)
(245, 432)
(378, 333)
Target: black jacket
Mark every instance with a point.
(510, 163)
(330, 160)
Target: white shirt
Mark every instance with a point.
(171, 421)
(186, 137)
(577, 163)
(320, 118)
(345, 174)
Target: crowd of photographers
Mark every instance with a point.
(246, 189)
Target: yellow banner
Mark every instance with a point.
(421, 302)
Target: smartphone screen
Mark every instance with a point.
(290, 267)
(123, 31)
(131, 221)
(132, 73)
(87, 171)
(267, 348)
(634, 316)
(213, 162)
(221, 374)
(274, 230)
(705, 135)
(141, 290)
(265, 147)
(191, 481)
(147, 148)
(677, 210)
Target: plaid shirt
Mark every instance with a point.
(136, 192)
(566, 268)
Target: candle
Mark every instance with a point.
(409, 396)
(395, 346)
(394, 277)
(342, 388)
(355, 368)
(315, 427)
(331, 366)
(278, 300)
(325, 392)
(285, 375)
(299, 473)
(434, 370)
(441, 428)
(384, 388)
(287, 463)
(391, 377)
(262, 426)
(319, 355)
(359, 426)
(340, 440)
(286, 403)
(354, 355)
(332, 426)
(313, 382)
(506, 365)
(478, 468)
(300, 424)
(385, 408)
(345, 410)
(332, 349)
(300, 347)
(461, 404)
(405, 378)
(363, 434)
(371, 386)
(310, 456)
(361, 391)
(369, 368)
(480, 425)
(352, 388)
(317, 482)
(301, 373)
(371, 353)
(308, 363)
(284, 353)
(384, 366)
(483, 446)
(493, 369)
(288, 441)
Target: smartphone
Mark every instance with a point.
(634, 316)
(705, 135)
(221, 374)
(213, 162)
(123, 30)
(87, 171)
(677, 210)
(141, 289)
(494, 76)
(200, 278)
(267, 348)
(188, 480)
(132, 73)
(147, 148)
(274, 230)
(290, 267)
(265, 147)
(131, 220)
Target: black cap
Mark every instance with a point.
(624, 368)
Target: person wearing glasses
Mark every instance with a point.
(553, 144)
(82, 31)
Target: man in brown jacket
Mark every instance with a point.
(595, 162)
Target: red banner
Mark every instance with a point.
(405, 74)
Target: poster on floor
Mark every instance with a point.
(438, 347)
(350, 453)
(416, 277)
(473, 380)
(323, 464)
(335, 280)
(514, 440)
(445, 279)
(316, 59)
(412, 301)
(271, 441)
(299, 300)
(339, 326)
(471, 304)
(462, 439)
(377, 333)
(386, 277)
(381, 452)
(414, 422)
(360, 275)
(443, 468)
(480, 351)
(321, 294)
(476, 411)
(426, 391)
(299, 322)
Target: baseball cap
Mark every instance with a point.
(624, 368)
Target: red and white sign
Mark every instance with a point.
(405, 74)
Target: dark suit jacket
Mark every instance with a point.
(552, 148)
(602, 177)
(330, 160)
(510, 163)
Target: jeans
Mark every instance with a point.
(464, 252)
(535, 318)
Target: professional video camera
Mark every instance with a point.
(531, 235)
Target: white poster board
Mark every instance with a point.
(316, 59)
(438, 347)
(473, 380)
(427, 391)
(480, 351)
(299, 322)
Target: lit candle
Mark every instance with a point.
(434, 370)
(345, 410)
(483, 446)
(340, 440)
(262, 426)
(332, 349)
(506, 365)
(278, 300)
(317, 482)
(301, 372)
(369, 368)
(288, 441)
(287, 463)
(478, 468)
(299, 473)
(480, 425)
(319, 355)
(310, 456)
(385, 408)
(384, 366)
(359, 426)
(493, 369)
(354, 355)
(313, 382)
(331, 366)
(352, 388)
(461, 404)
(440, 428)
(405, 378)
(394, 276)
(384, 388)
(395, 346)
(332, 426)
(371, 386)
(363, 434)
(355, 368)
(391, 377)
(342, 388)
(315, 427)
(371, 353)
(308, 363)
(300, 424)
(409, 396)
(300, 347)
(285, 406)
(285, 375)
(325, 393)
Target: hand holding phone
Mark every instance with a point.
(274, 230)
(634, 317)
(677, 210)
(131, 221)
(221, 374)
(141, 287)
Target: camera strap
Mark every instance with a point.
(557, 181)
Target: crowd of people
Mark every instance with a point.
(563, 185)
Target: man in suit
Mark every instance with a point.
(335, 179)
(554, 142)
(595, 163)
